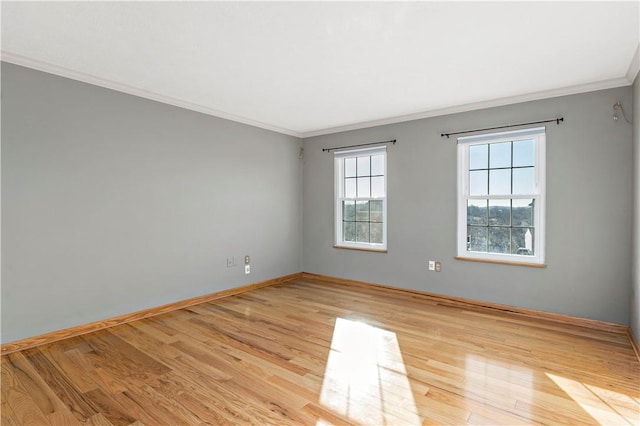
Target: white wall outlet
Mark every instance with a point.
(438, 266)
(432, 265)
(247, 269)
(247, 260)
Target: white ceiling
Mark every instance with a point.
(308, 68)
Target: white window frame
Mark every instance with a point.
(339, 197)
(539, 194)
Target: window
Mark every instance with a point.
(361, 199)
(501, 196)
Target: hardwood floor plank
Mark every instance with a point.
(108, 345)
(260, 393)
(144, 338)
(19, 378)
(324, 415)
(63, 386)
(108, 381)
(161, 405)
(544, 415)
(98, 420)
(48, 402)
(203, 405)
(110, 408)
(206, 361)
(74, 364)
(318, 352)
(20, 407)
(7, 417)
(258, 352)
(479, 413)
(216, 402)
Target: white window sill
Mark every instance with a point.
(376, 250)
(502, 262)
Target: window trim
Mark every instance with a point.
(339, 198)
(539, 194)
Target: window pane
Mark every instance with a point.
(500, 212)
(349, 231)
(478, 182)
(477, 238)
(500, 188)
(376, 233)
(361, 196)
(377, 186)
(500, 155)
(499, 241)
(524, 153)
(364, 187)
(349, 167)
(350, 188)
(349, 210)
(500, 182)
(377, 165)
(524, 180)
(364, 166)
(522, 212)
(522, 241)
(477, 212)
(362, 211)
(478, 157)
(362, 232)
(376, 210)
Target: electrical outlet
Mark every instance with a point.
(247, 260)
(229, 262)
(247, 269)
(438, 267)
(432, 265)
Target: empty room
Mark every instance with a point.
(320, 213)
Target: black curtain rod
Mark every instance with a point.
(393, 141)
(557, 120)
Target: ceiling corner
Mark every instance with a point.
(634, 66)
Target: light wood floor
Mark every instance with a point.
(314, 352)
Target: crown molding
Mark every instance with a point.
(634, 66)
(546, 94)
(633, 70)
(130, 90)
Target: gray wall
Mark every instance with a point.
(113, 203)
(635, 286)
(589, 176)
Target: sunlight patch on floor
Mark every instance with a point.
(365, 378)
(605, 406)
(494, 380)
